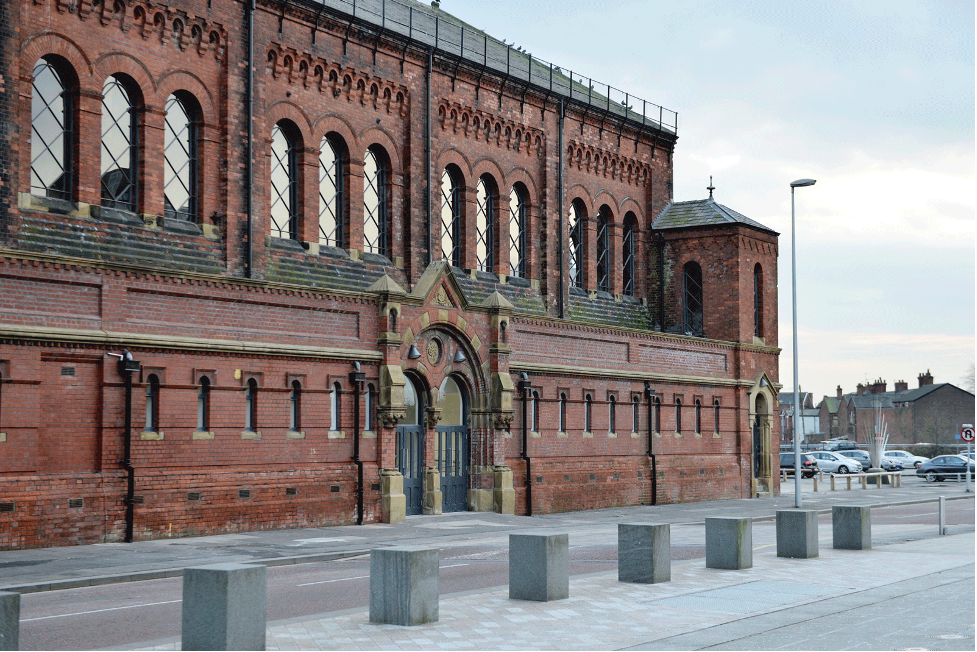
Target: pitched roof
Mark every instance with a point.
(702, 212)
(888, 399)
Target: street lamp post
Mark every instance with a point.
(800, 183)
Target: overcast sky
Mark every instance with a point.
(874, 99)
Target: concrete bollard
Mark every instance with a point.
(404, 587)
(539, 566)
(644, 553)
(224, 607)
(797, 533)
(851, 527)
(9, 621)
(729, 543)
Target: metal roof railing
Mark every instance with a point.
(454, 39)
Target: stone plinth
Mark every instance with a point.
(539, 566)
(644, 553)
(797, 533)
(729, 543)
(404, 588)
(224, 607)
(9, 621)
(851, 527)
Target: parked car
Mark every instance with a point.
(835, 463)
(906, 459)
(809, 465)
(838, 444)
(945, 466)
(866, 460)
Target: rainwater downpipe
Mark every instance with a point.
(249, 171)
(559, 209)
(356, 378)
(427, 150)
(126, 368)
(650, 395)
(524, 387)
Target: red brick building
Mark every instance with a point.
(347, 251)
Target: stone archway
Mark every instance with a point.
(762, 399)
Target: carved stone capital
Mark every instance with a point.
(502, 420)
(391, 417)
(433, 416)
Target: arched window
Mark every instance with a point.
(656, 416)
(612, 414)
(53, 128)
(485, 200)
(120, 154)
(180, 154)
(692, 281)
(284, 180)
(534, 413)
(332, 191)
(628, 253)
(604, 248)
(575, 223)
(517, 230)
(563, 412)
(635, 403)
(375, 197)
(152, 403)
(698, 416)
(758, 300)
(451, 215)
(334, 423)
(203, 405)
(715, 409)
(295, 407)
(588, 405)
(678, 415)
(251, 405)
(370, 403)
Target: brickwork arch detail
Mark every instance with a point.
(181, 80)
(488, 166)
(286, 110)
(377, 136)
(522, 175)
(455, 156)
(46, 43)
(578, 191)
(333, 123)
(112, 63)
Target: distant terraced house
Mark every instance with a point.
(315, 263)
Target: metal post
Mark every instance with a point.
(356, 378)
(524, 387)
(942, 515)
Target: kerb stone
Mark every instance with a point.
(851, 527)
(797, 533)
(404, 587)
(9, 621)
(539, 566)
(644, 553)
(729, 543)
(224, 607)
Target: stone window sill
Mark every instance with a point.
(3, 437)
(534, 434)
(588, 435)
(295, 434)
(151, 435)
(251, 434)
(336, 434)
(612, 435)
(202, 435)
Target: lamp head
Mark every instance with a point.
(800, 183)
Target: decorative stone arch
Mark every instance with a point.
(378, 136)
(182, 80)
(118, 62)
(630, 205)
(762, 396)
(57, 44)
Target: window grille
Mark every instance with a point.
(451, 216)
(575, 224)
(119, 155)
(628, 251)
(332, 200)
(284, 183)
(180, 159)
(375, 237)
(693, 299)
(485, 225)
(517, 232)
(52, 132)
(603, 249)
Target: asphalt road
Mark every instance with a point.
(117, 615)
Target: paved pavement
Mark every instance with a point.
(913, 590)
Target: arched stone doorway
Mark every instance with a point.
(761, 420)
(452, 458)
(410, 446)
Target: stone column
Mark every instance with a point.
(224, 607)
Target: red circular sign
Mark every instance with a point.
(967, 433)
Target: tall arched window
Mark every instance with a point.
(485, 200)
(656, 416)
(332, 191)
(251, 405)
(517, 230)
(120, 154)
(334, 402)
(451, 214)
(203, 405)
(698, 416)
(575, 223)
(284, 181)
(758, 300)
(604, 248)
(635, 406)
(692, 281)
(563, 412)
(180, 154)
(295, 407)
(715, 409)
(611, 414)
(628, 254)
(588, 404)
(376, 236)
(678, 415)
(52, 128)
(152, 403)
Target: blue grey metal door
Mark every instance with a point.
(452, 460)
(410, 449)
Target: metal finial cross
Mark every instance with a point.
(711, 187)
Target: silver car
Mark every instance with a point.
(906, 459)
(866, 460)
(835, 463)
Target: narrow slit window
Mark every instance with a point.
(758, 300)
(588, 412)
(715, 408)
(635, 406)
(295, 407)
(698, 416)
(203, 405)
(563, 412)
(575, 222)
(692, 278)
(612, 415)
(451, 216)
(251, 405)
(534, 413)
(152, 404)
(334, 402)
(678, 415)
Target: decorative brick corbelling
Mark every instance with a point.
(482, 126)
(608, 165)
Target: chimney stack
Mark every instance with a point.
(839, 391)
(878, 387)
(925, 379)
(860, 389)
(901, 386)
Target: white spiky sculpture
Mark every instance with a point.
(879, 439)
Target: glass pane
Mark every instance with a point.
(517, 209)
(603, 278)
(483, 227)
(451, 403)
(373, 206)
(282, 178)
(179, 154)
(330, 195)
(50, 137)
(450, 215)
(629, 257)
(575, 225)
(410, 404)
(118, 175)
